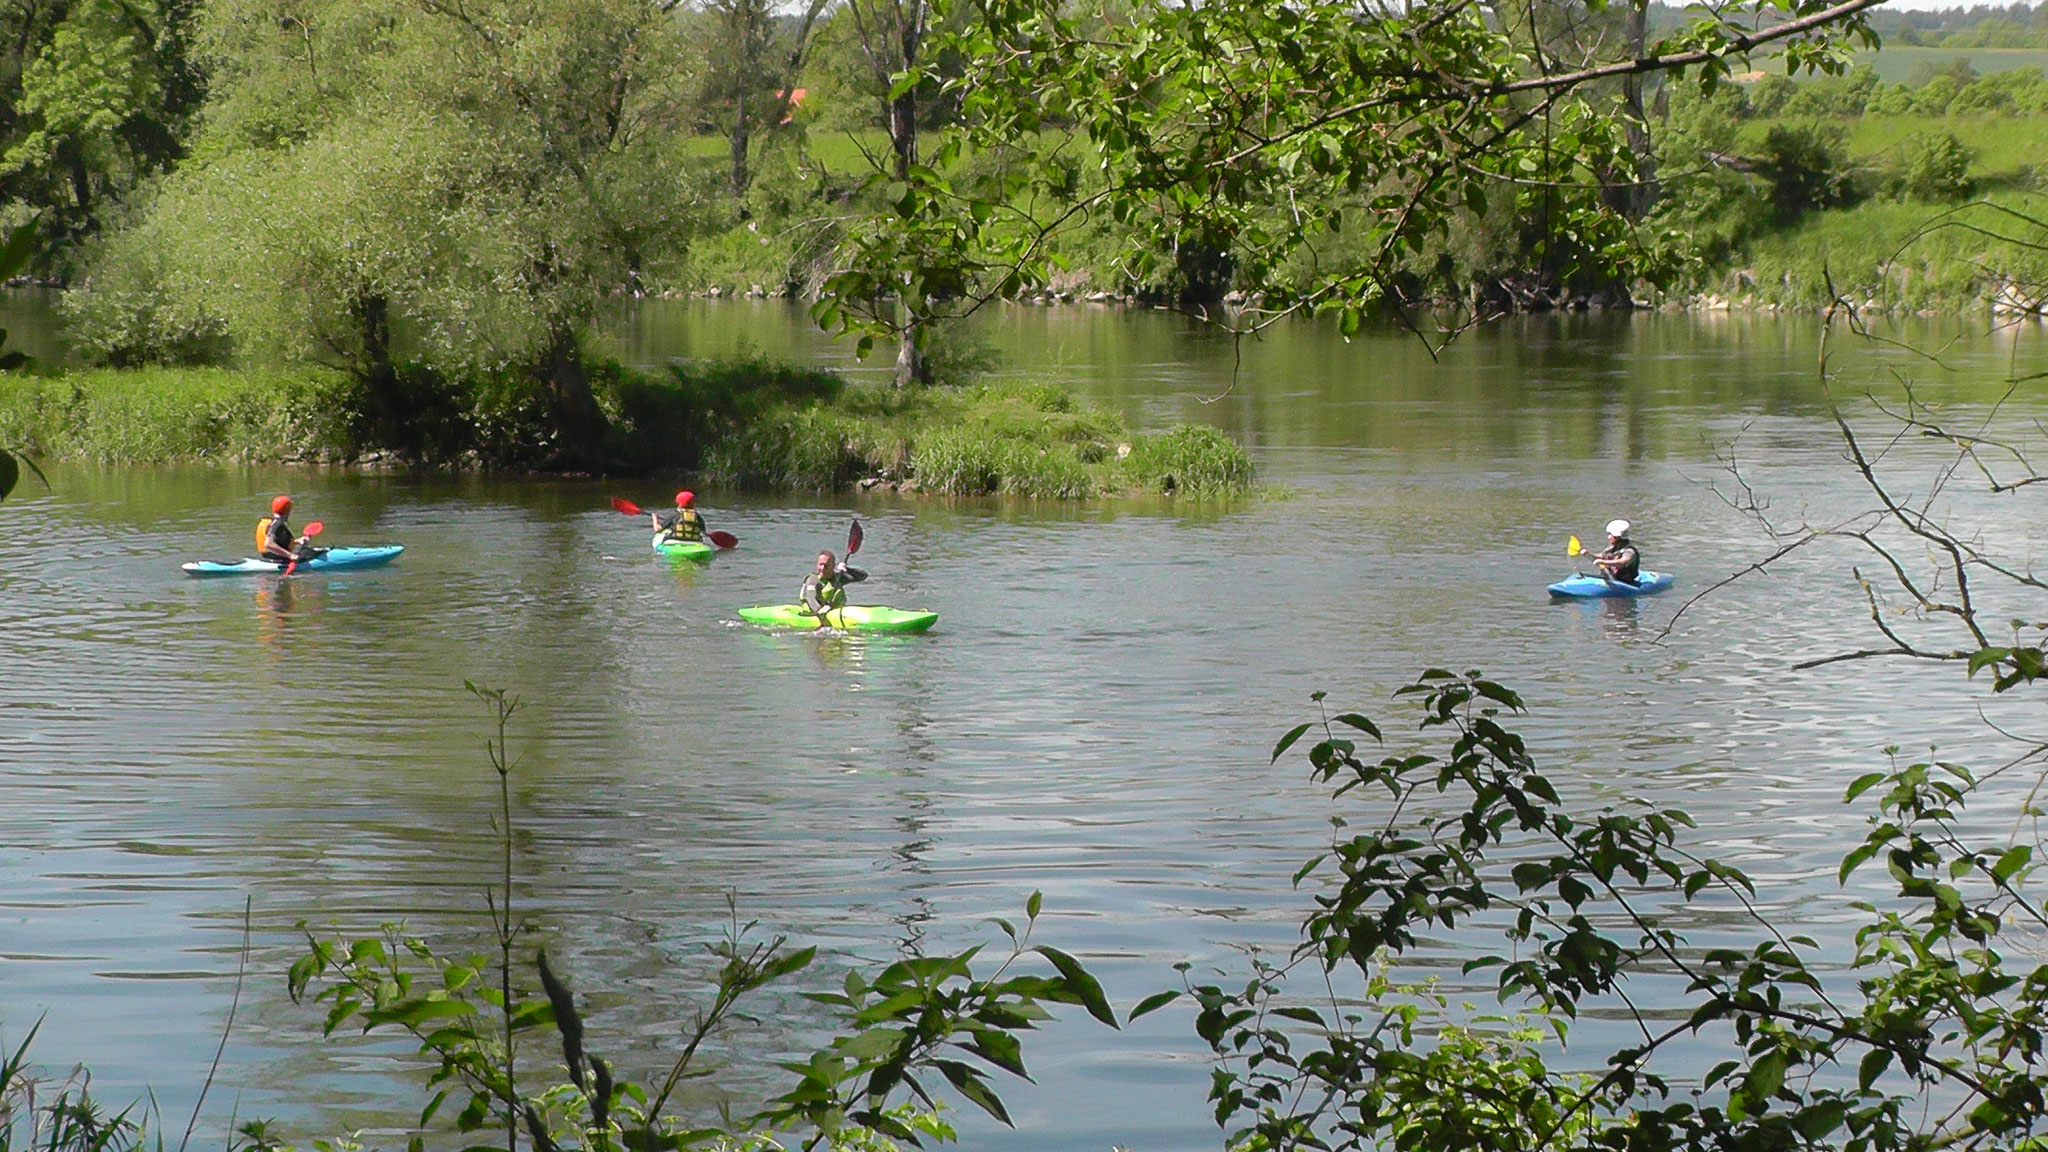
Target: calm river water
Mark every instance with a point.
(1091, 717)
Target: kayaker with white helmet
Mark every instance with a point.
(1620, 561)
(685, 523)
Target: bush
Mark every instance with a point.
(1807, 169)
(1934, 167)
(1934, 97)
(1193, 459)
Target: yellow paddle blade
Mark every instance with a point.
(1573, 547)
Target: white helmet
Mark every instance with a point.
(1617, 528)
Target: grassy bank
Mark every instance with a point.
(750, 424)
(154, 415)
(1904, 257)
(1019, 440)
(1889, 249)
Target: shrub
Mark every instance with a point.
(1934, 167)
(1807, 169)
(1934, 97)
(1194, 459)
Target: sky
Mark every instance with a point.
(1930, 5)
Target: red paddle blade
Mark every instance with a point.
(722, 539)
(627, 507)
(315, 528)
(853, 538)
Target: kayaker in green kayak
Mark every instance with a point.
(274, 539)
(1621, 561)
(825, 588)
(685, 523)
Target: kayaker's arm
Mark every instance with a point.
(852, 575)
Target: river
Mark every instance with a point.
(1091, 717)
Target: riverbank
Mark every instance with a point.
(747, 425)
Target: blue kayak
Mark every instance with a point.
(332, 560)
(1583, 587)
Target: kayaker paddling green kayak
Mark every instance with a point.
(823, 601)
(852, 618)
(1620, 569)
(680, 534)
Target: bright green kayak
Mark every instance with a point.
(853, 618)
(684, 549)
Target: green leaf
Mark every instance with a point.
(1083, 985)
(1154, 1002)
(1361, 723)
(1033, 903)
(975, 1088)
(1872, 1066)
(1767, 1075)
(1279, 749)
(1862, 784)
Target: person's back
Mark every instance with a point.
(685, 523)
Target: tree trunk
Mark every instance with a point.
(579, 422)
(387, 416)
(740, 176)
(1643, 192)
(910, 365)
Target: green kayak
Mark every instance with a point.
(684, 549)
(853, 618)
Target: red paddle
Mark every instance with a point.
(312, 530)
(853, 539)
(721, 539)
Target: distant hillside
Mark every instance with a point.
(1974, 26)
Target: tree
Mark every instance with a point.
(482, 174)
(1200, 120)
(891, 35)
(95, 96)
(754, 69)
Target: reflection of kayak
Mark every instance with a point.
(853, 617)
(331, 560)
(1583, 587)
(684, 549)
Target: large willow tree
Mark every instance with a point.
(454, 184)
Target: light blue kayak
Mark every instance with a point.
(332, 560)
(1583, 587)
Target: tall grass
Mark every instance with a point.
(153, 415)
(1903, 256)
(749, 424)
(1028, 440)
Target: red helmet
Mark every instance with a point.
(685, 499)
(281, 505)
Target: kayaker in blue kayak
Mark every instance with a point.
(274, 539)
(685, 523)
(1621, 561)
(825, 588)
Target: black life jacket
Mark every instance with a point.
(1631, 571)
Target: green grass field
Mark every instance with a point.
(2008, 148)
(1895, 63)
(836, 150)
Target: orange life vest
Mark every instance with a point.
(263, 533)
